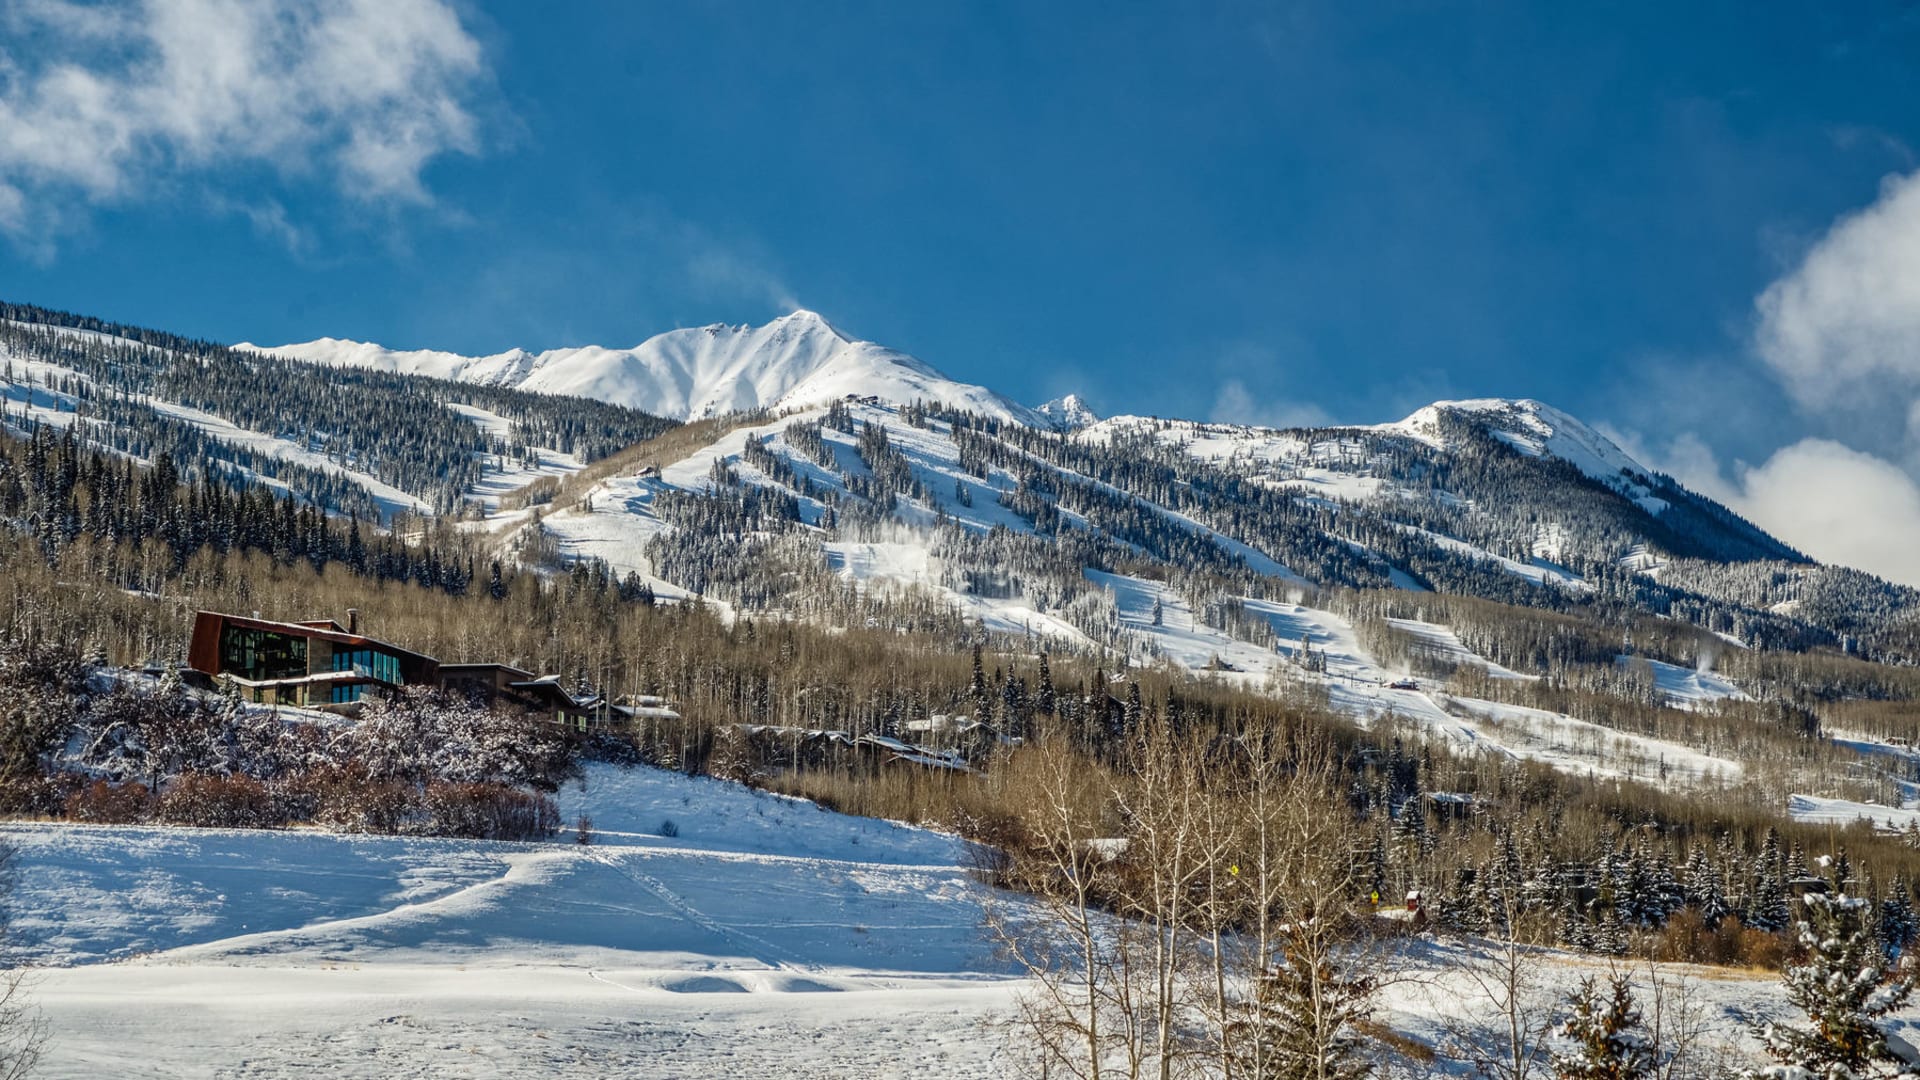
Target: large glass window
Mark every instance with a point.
(368, 662)
(262, 654)
(344, 694)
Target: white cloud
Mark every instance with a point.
(1235, 404)
(1835, 503)
(1843, 328)
(99, 103)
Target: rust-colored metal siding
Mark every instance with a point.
(203, 652)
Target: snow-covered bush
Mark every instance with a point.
(40, 685)
(418, 736)
(1609, 1038)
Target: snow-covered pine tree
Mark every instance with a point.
(1610, 1039)
(1844, 986)
(1310, 1020)
(1701, 884)
(1766, 895)
(1897, 924)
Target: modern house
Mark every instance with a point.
(504, 684)
(321, 664)
(315, 664)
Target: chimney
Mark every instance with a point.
(353, 620)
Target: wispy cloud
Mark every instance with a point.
(1838, 504)
(1836, 343)
(1235, 404)
(1842, 329)
(99, 104)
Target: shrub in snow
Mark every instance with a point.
(1844, 986)
(110, 804)
(488, 812)
(217, 802)
(348, 802)
(668, 829)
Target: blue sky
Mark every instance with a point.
(1257, 212)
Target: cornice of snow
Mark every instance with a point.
(796, 360)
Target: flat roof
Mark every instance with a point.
(308, 630)
(484, 665)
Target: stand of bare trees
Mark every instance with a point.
(1200, 909)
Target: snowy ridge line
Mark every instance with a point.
(797, 360)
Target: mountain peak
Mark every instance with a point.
(1537, 429)
(1068, 413)
(808, 320)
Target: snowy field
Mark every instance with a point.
(769, 938)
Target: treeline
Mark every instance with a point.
(140, 527)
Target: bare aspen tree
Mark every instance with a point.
(1058, 933)
(1313, 968)
(1502, 1024)
(23, 1030)
(1687, 1042)
(1160, 803)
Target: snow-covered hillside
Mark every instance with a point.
(796, 360)
(1538, 429)
(769, 938)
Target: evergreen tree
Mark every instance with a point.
(1700, 883)
(1310, 1017)
(978, 691)
(1043, 697)
(1610, 1039)
(1844, 986)
(1897, 923)
(1767, 895)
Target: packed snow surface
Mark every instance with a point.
(796, 360)
(768, 938)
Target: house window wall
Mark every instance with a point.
(262, 654)
(369, 662)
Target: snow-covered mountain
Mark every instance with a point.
(1509, 500)
(1536, 429)
(794, 361)
(1068, 413)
